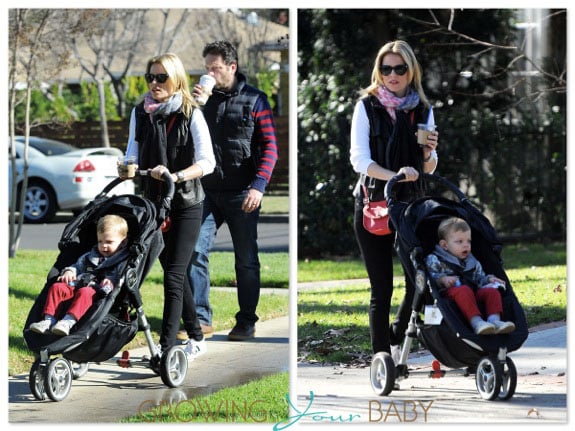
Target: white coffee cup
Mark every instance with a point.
(207, 82)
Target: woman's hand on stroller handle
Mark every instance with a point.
(389, 185)
(408, 173)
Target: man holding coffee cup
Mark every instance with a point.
(243, 135)
(207, 83)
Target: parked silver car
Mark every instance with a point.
(63, 177)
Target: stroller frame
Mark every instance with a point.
(52, 377)
(484, 356)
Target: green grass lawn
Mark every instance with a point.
(514, 256)
(256, 402)
(275, 204)
(333, 322)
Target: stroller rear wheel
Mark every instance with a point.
(36, 380)
(174, 367)
(382, 373)
(58, 379)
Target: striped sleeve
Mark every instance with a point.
(265, 136)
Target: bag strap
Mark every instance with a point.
(365, 195)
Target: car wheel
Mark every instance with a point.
(40, 203)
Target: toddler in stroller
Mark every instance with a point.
(94, 273)
(444, 330)
(452, 262)
(112, 320)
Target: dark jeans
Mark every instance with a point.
(220, 207)
(175, 259)
(377, 253)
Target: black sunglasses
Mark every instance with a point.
(160, 77)
(400, 70)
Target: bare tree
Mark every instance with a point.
(246, 29)
(32, 49)
(112, 33)
(121, 37)
(169, 34)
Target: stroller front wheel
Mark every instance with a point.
(58, 379)
(488, 378)
(36, 380)
(382, 373)
(508, 379)
(79, 369)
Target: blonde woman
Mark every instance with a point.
(168, 133)
(383, 144)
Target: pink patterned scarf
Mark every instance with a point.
(393, 103)
(153, 107)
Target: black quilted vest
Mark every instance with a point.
(393, 146)
(167, 141)
(229, 118)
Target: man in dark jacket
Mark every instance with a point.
(243, 136)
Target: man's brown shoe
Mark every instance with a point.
(207, 330)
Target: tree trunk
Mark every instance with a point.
(103, 122)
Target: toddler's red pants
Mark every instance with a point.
(61, 292)
(467, 300)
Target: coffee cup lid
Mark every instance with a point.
(430, 119)
(424, 126)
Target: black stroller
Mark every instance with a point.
(448, 337)
(113, 320)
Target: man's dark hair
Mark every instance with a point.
(223, 48)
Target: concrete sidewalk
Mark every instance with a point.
(344, 395)
(108, 393)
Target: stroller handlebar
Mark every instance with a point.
(429, 177)
(166, 176)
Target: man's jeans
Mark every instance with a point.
(220, 207)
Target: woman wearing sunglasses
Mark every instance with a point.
(168, 133)
(383, 144)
